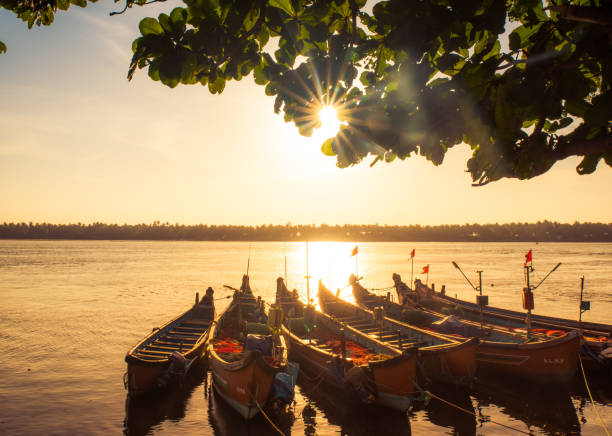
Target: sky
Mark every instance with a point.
(79, 143)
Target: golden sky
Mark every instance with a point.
(79, 143)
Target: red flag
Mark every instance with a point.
(354, 253)
(528, 257)
(412, 254)
(425, 269)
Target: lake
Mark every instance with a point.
(72, 309)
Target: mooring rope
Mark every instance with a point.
(473, 414)
(591, 396)
(266, 416)
(430, 394)
(388, 288)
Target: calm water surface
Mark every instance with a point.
(70, 310)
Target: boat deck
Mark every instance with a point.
(181, 337)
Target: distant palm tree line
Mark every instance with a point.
(544, 231)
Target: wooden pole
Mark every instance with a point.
(580, 316)
(307, 277)
(480, 289)
(412, 274)
(528, 306)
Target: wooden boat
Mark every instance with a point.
(360, 367)
(167, 353)
(442, 358)
(244, 376)
(596, 348)
(540, 358)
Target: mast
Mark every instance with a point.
(307, 277)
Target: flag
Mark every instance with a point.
(528, 257)
(412, 254)
(354, 253)
(425, 269)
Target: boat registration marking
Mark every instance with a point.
(240, 390)
(555, 361)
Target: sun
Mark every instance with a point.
(330, 124)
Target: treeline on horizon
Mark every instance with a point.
(543, 231)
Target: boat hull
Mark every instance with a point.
(165, 355)
(245, 385)
(551, 361)
(394, 378)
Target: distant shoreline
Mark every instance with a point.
(545, 231)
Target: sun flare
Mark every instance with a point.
(330, 124)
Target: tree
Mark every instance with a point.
(523, 83)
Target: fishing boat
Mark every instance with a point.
(165, 355)
(248, 356)
(360, 367)
(442, 358)
(537, 357)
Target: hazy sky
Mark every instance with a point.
(78, 142)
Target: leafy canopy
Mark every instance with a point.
(524, 83)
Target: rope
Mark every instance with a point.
(266, 416)
(591, 397)
(428, 393)
(388, 288)
(473, 414)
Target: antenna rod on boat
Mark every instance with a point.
(581, 291)
(468, 280)
(480, 302)
(249, 260)
(307, 277)
(551, 271)
(285, 250)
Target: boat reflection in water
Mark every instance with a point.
(145, 412)
(461, 417)
(321, 413)
(542, 411)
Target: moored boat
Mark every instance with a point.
(442, 358)
(538, 357)
(353, 364)
(167, 353)
(596, 348)
(248, 359)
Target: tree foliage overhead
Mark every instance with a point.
(524, 83)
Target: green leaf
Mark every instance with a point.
(178, 16)
(588, 164)
(259, 75)
(327, 148)
(514, 41)
(285, 5)
(217, 86)
(63, 4)
(150, 26)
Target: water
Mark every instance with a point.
(72, 309)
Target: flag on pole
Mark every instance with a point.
(354, 253)
(528, 257)
(425, 269)
(412, 254)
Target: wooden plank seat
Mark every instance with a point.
(152, 353)
(177, 339)
(171, 344)
(194, 330)
(197, 323)
(162, 347)
(362, 324)
(184, 334)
